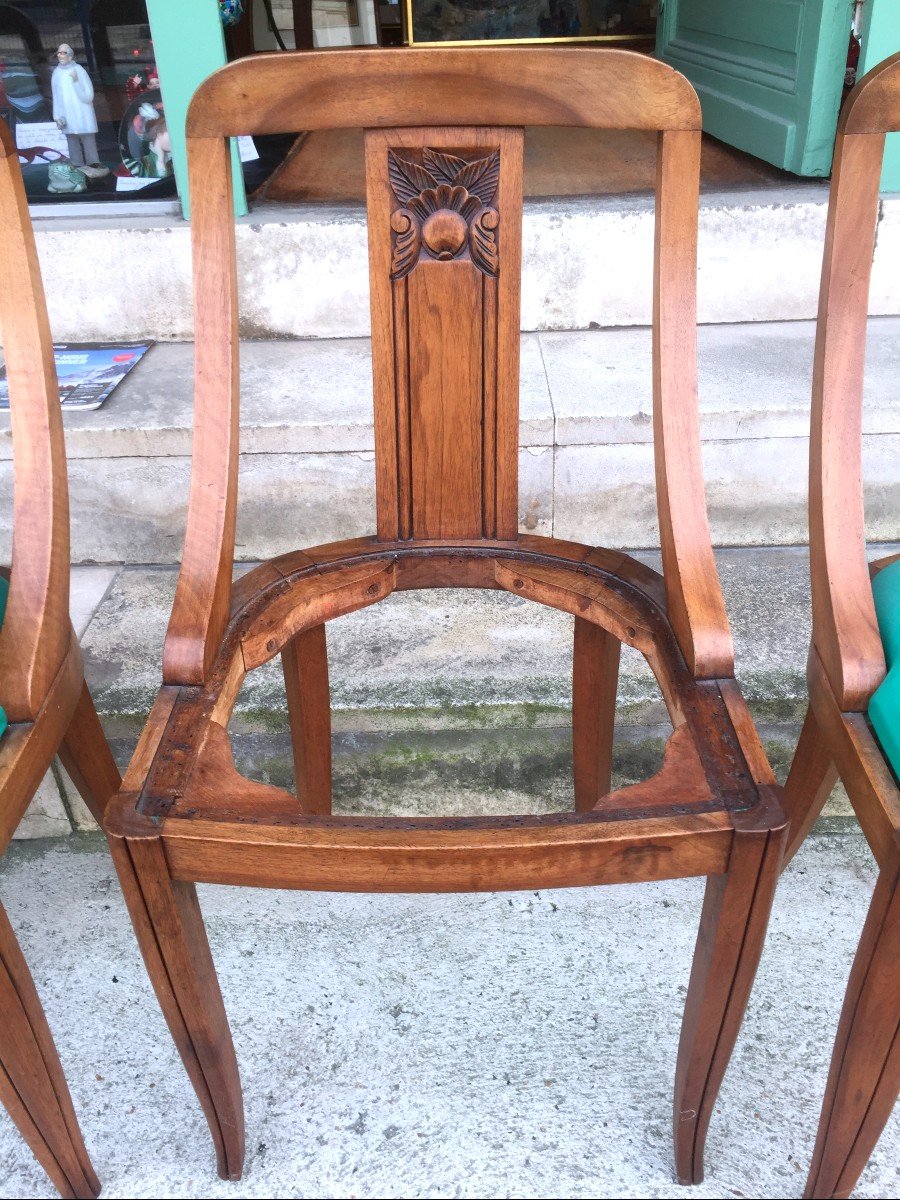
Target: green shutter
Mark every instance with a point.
(188, 44)
(769, 73)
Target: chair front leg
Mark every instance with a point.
(595, 678)
(865, 1066)
(305, 664)
(810, 782)
(172, 937)
(32, 1086)
(86, 755)
(733, 925)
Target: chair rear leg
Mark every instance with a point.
(810, 782)
(733, 925)
(305, 664)
(595, 678)
(172, 937)
(32, 1086)
(865, 1066)
(86, 755)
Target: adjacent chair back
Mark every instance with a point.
(847, 665)
(42, 688)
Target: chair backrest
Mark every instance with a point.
(444, 185)
(34, 638)
(845, 630)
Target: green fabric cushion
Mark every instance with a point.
(884, 707)
(4, 592)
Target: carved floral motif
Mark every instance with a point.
(446, 208)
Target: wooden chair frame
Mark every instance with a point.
(41, 676)
(846, 660)
(445, 271)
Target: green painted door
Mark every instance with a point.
(188, 44)
(769, 73)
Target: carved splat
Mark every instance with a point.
(446, 211)
(445, 249)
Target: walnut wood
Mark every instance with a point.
(309, 602)
(595, 677)
(443, 154)
(85, 753)
(34, 638)
(860, 763)
(875, 107)
(845, 631)
(305, 663)
(445, 335)
(696, 608)
(32, 1086)
(203, 595)
(810, 782)
(43, 689)
(585, 85)
(732, 929)
(234, 853)
(846, 660)
(170, 932)
(865, 1068)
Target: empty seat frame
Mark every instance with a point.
(42, 686)
(444, 180)
(846, 658)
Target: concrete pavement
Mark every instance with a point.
(518, 1045)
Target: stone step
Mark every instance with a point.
(586, 462)
(456, 701)
(303, 270)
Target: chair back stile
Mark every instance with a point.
(445, 300)
(35, 636)
(845, 630)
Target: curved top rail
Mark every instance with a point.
(34, 639)
(340, 89)
(874, 104)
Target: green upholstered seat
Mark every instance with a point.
(884, 707)
(4, 592)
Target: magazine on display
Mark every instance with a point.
(88, 372)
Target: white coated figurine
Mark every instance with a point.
(73, 112)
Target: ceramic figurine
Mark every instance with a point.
(157, 162)
(73, 112)
(63, 178)
(231, 10)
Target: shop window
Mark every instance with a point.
(529, 20)
(79, 88)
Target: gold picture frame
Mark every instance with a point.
(523, 41)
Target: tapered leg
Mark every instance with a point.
(86, 755)
(170, 931)
(732, 930)
(810, 782)
(595, 677)
(32, 1086)
(305, 663)
(865, 1066)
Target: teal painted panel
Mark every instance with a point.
(769, 73)
(881, 39)
(188, 44)
(770, 25)
(884, 707)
